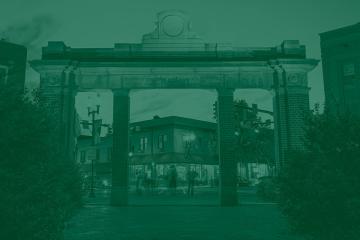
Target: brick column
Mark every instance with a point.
(57, 96)
(226, 141)
(121, 112)
(291, 105)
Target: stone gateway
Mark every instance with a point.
(175, 57)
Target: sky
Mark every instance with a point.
(247, 23)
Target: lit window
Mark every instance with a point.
(143, 143)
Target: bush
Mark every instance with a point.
(268, 189)
(320, 189)
(39, 189)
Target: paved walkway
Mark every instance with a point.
(163, 217)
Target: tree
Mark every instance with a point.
(320, 188)
(255, 137)
(39, 188)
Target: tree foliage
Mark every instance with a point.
(39, 188)
(255, 137)
(320, 188)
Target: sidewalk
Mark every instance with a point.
(161, 196)
(158, 218)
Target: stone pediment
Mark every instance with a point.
(173, 32)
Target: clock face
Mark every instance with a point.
(297, 79)
(173, 25)
(293, 78)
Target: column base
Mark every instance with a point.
(119, 196)
(228, 196)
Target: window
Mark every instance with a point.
(348, 69)
(143, 144)
(97, 154)
(200, 143)
(161, 141)
(3, 75)
(82, 157)
(184, 139)
(109, 154)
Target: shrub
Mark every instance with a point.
(39, 188)
(320, 188)
(268, 189)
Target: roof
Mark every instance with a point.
(134, 53)
(173, 39)
(173, 158)
(175, 121)
(340, 32)
(160, 122)
(11, 53)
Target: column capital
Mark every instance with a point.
(294, 90)
(121, 92)
(294, 65)
(225, 91)
(292, 73)
(52, 79)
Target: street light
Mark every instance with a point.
(92, 112)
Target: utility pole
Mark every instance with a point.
(92, 113)
(95, 139)
(95, 125)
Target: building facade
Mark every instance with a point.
(155, 145)
(340, 50)
(95, 160)
(186, 143)
(158, 144)
(173, 56)
(12, 65)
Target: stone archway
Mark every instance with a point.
(174, 57)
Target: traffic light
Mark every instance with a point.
(110, 129)
(215, 110)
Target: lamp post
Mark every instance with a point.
(92, 113)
